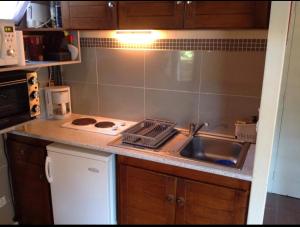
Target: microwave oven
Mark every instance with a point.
(8, 44)
(19, 98)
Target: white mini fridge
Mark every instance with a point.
(82, 184)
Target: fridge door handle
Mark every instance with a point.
(48, 170)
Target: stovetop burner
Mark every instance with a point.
(84, 121)
(98, 124)
(104, 124)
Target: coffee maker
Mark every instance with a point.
(58, 102)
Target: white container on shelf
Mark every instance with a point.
(38, 14)
(74, 51)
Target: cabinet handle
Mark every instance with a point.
(189, 2)
(111, 4)
(178, 2)
(48, 170)
(180, 201)
(170, 198)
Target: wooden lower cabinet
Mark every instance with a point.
(152, 193)
(147, 197)
(209, 204)
(31, 191)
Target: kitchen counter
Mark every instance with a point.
(51, 130)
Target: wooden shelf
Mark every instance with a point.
(37, 64)
(40, 29)
(33, 65)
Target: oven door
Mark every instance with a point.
(14, 101)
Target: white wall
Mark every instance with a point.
(281, 99)
(286, 158)
(6, 212)
(277, 38)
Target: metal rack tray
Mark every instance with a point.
(148, 133)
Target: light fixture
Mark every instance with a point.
(136, 36)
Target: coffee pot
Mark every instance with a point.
(58, 102)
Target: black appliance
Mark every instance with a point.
(19, 98)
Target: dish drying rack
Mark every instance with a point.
(246, 132)
(150, 133)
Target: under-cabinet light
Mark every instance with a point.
(137, 36)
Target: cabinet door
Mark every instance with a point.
(30, 187)
(201, 203)
(89, 14)
(145, 197)
(151, 14)
(227, 14)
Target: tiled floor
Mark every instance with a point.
(282, 210)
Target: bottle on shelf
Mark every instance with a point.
(53, 14)
(58, 19)
(72, 48)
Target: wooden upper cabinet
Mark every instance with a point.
(151, 14)
(227, 14)
(203, 203)
(145, 197)
(89, 14)
(165, 14)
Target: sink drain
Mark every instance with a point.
(226, 162)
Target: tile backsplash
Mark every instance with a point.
(185, 86)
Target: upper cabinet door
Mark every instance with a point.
(227, 14)
(89, 14)
(151, 14)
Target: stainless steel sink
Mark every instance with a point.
(216, 150)
(206, 148)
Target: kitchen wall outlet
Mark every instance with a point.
(3, 201)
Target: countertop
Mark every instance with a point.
(51, 130)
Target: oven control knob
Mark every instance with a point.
(10, 52)
(34, 95)
(35, 109)
(32, 80)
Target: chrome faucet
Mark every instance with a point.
(194, 128)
